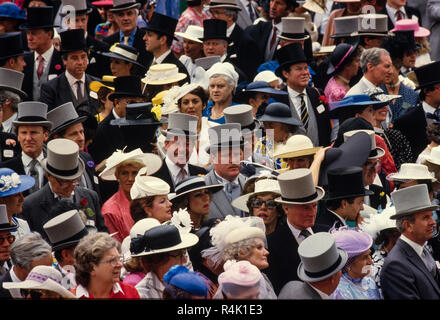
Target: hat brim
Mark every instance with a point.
(371, 34)
(291, 120)
(292, 39)
(21, 93)
(124, 122)
(27, 182)
(226, 6)
(241, 202)
(299, 153)
(76, 12)
(152, 161)
(46, 124)
(28, 27)
(366, 192)
(380, 153)
(117, 56)
(177, 78)
(78, 174)
(304, 277)
(186, 36)
(122, 94)
(188, 240)
(8, 227)
(68, 124)
(215, 188)
(396, 177)
(413, 210)
(269, 90)
(49, 284)
(225, 145)
(126, 7)
(320, 193)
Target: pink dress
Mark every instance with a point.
(334, 91)
(117, 218)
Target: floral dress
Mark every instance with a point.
(356, 289)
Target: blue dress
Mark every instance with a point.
(410, 98)
(207, 112)
(356, 289)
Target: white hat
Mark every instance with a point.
(297, 145)
(412, 171)
(267, 76)
(151, 161)
(147, 186)
(376, 152)
(261, 186)
(163, 73)
(192, 32)
(138, 229)
(224, 68)
(434, 157)
(379, 222)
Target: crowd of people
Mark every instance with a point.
(220, 149)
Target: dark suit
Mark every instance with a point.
(404, 276)
(410, 11)
(298, 290)
(378, 198)
(327, 218)
(97, 67)
(37, 208)
(5, 293)
(92, 180)
(171, 58)
(239, 55)
(258, 40)
(56, 67)
(8, 151)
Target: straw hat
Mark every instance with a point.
(412, 171)
(297, 145)
(163, 73)
(147, 186)
(192, 32)
(261, 186)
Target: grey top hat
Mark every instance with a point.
(79, 7)
(242, 114)
(226, 135)
(65, 229)
(345, 26)
(410, 200)
(32, 113)
(12, 80)
(181, 124)
(293, 28)
(119, 5)
(297, 187)
(228, 4)
(320, 258)
(376, 152)
(4, 220)
(372, 25)
(63, 159)
(64, 116)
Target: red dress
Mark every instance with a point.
(120, 290)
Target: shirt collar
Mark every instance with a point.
(293, 93)
(417, 247)
(160, 59)
(27, 160)
(338, 216)
(82, 292)
(428, 108)
(46, 55)
(130, 36)
(296, 232)
(224, 181)
(392, 11)
(174, 168)
(230, 29)
(72, 80)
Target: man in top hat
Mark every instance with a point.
(180, 139)
(11, 51)
(398, 10)
(344, 27)
(409, 271)
(33, 131)
(304, 100)
(7, 238)
(320, 269)
(159, 38)
(293, 31)
(126, 13)
(62, 167)
(372, 29)
(226, 150)
(299, 199)
(73, 84)
(44, 62)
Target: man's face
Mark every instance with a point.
(75, 132)
(409, 59)
(38, 39)
(278, 9)
(152, 41)
(227, 162)
(369, 171)
(6, 239)
(179, 149)
(62, 187)
(422, 227)
(352, 210)
(31, 139)
(76, 63)
(434, 95)
(298, 75)
(79, 23)
(396, 3)
(220, 14)
(381, 73)
(299, 162)
(214, 47)
(192, 49)
(14, 203)
(120, 104)
(120, 68)
(126, 20)
(301, 216)
(258, 99)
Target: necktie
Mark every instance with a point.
(33, 172)
(429, 262)
(274, 38)
(399, 15)
(251, 11)
(40, 67)
(181, 175)
(79, 95)
(126, 40)
(232, 190)
(304, 113)
(304, 234)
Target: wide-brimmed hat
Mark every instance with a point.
(297, 187)
(352, 104)
(64, 116)
(163, 73)
(242, 114)
(63, 159)
(159, 239)
(375, 152)
(412, 171)
(320, 257)
(42, 277)
(339, 57)
(373, 24)
(150, 160)
(410, 200)
(298, 145)
(317, 6)
(147, 186)
(120, 5)
(214, 29)
(344, 183)
(345, 26)
(79, 7)
(11, 45)
(162, 24)
(12, 11)
(32, 113)
(140, 114)
(181, 125)
(279, 112)
(127, 86)
(288, 55)
(227, 4)
(138, 229)
(410, 24)
(264, 87)
(293, 29)
(107, 81)
(428, 74)
(353, 241)
(225, 136)
(434, 156)
(13, 183)
(73, 40)
(261, 186)
(125, 52)
(192, 32)
(191, 184)
(12, 80)
(5, 225)
(38, 18)
(65, 229)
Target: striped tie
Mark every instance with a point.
(304, 113)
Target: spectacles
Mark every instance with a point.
(115, 261)
(33, 293)
(10, 239)
(270, 204)
(179, 254)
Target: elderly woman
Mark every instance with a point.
(223, 80)
(123, 167)
(195, 195)
(97, 269)
(150, 198)
(356, 282)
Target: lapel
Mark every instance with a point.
(219, 199)
(310, 292)
(46, 203)
(56, 63)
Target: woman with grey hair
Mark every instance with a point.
(98, 265)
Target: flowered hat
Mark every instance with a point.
(13, 183)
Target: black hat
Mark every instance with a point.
(73, 40)
(288, 55)
(80, 7)
(141, 113)
(340, 56)
(128, 86)
(402, 42)
(11, 45)
(428, 74)
(344, 183)
(279, 112)
(38, 18)
(214, 29)
(126, 53)
(162, 24)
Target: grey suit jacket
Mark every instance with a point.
(298, 290)
(220, 205)
(243, 17)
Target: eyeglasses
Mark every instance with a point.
(115, 261)
(10, 239)
(270, 204)
(33, 293)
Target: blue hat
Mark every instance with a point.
(186, 280)
(279, 112)
(349, 104)
(11, 10)
(263, 86)
(12, 183)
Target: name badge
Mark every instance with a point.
(90, 223)
(320, 109)
(95, 179)
(51, 76)
(8, 153)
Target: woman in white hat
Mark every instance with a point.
(192, 46)
(123, 168)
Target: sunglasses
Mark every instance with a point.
(34, 294)
(270, 204)
(10, 239)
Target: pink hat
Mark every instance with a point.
(409, 24)
(241, 273)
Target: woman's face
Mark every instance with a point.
(361, 265)
(265, 208)
(353, 67)
(160, 209)
(381, 114)
(120, 68)
(219, 90)
(259, 255)
(199, 201)
(108, 270)
(277, 129)
(192, 49)
(191, 104)
(126, 175)
(14, 203)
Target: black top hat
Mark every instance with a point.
(402, 42)
(214, 29)
(340, 56)
(128, 86)
(344, 183)
(288, 55)
(428, 74)
(73, 40)
(137, 114)
(11, 45)
(162, 24)
(39, 18)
